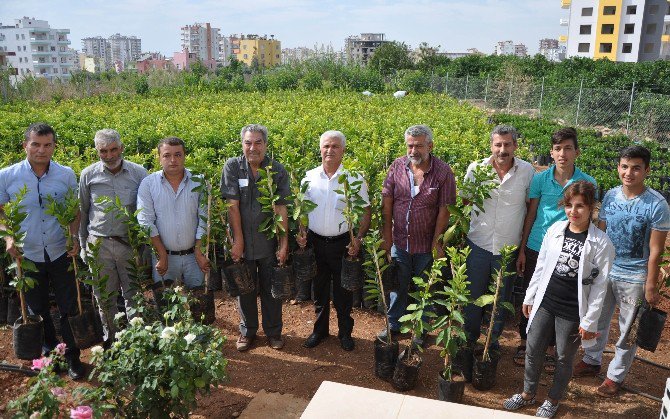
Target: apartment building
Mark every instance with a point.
(39, 50)
(619, 30)
(124, 49)
(665, 38)
(552, 50)
(205, 42)
(360, 48)
(98, 47)
(510, 48)
(267, 51)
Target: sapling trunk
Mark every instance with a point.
(209, 227)
(489, 332)
(22, 299)
(383, 295)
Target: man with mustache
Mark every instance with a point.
(416, 192)
(328, 234)
(497, 224)
(112, 177)
(239, 186)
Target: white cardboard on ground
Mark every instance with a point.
(335, 400)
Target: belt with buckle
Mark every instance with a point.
(181, 252)
(330, 239)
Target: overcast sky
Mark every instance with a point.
(454, 25)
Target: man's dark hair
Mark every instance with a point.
(40, 129)
(636, 152)
(171, 141)
(565, 134)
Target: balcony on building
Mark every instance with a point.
(565, 4)
(63, 40)
(564, 22)
(41, 53)
(62, 31)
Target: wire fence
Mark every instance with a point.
(637, 114)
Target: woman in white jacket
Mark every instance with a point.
(565, 296)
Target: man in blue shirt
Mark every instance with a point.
(546, 189)
(44, 243)
(637, 220)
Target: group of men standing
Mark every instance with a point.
(416, 194)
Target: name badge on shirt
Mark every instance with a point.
(243, 182)
(416, 189)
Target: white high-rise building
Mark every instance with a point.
(619, 30)
(665, 38)
(204, 41)
(98, 47)
(40, 50)
(124, 49)
(510, 48)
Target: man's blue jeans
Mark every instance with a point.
(409, 266)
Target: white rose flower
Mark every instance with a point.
(96, 350)
(136, 321)
(119, 334)
(119, 316)
(178, 289)
(189, 338)
(168, 332)
(148, 328)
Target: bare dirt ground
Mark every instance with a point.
(299, 371)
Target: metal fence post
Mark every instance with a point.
(630, 107)
(539, 112)
(486, 89)
(509, 99)
(579, 100)
(467, 79)
(446, 85)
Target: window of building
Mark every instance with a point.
(607, 29)
(585, 29)
(24, 47)
(53, 59)
(583, 47)
(23, 36)
(17, 36)
(587, 11)
(606, 47)
(631, 10)
(246, 56)
(653, 9)
(53, 48)
(648, 48)
(651, 29)
(244, 46)
(627, 48)
(629, 28)
(609, 10)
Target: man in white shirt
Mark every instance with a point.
(499, 224)
(328, 234)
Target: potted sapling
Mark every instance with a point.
(202, 304)
(485, 359)
(28, 331)
(304, 261)
(282, 284)
(386, 350)
(66, 211)
(416, 321)
(354, 208)
(451, 335)
(216, 239)
(651, 320)
(236, 275)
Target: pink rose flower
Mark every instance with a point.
(58, 392)
(60, 349)
(81, 412)
(38, 364)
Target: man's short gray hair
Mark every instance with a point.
(333, 134)
(505, 130)
(420, 131)
(255, 128)
(107, 136)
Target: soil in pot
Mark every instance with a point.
(304, 265)
(650, 327)
(406, 371)
(215, 282)
(484, 372)
(55, 319)
(282, 283)
(463, 362)
(386, 357)
(238, 279)
(3, 308)
(13, 308)
(352, 273)
(83, 328)
(451, 390)
(202, 307)
(28, 338)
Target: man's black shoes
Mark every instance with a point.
(347, 343)
(75, 369)
(313, 340)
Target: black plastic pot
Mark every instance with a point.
(238, 279)
(390, 278)
(282, 283)
(463, 363)
(83, 328)
(352, 273)
(304, 265)
(484, 372)
(202, 307)
(406, 371)
(650, 327)
(386, 357)
(13, 308)
(28, 338)
(450, 391)
(55, 319)
(3, 308)
(215, 282)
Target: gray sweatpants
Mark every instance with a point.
(544, 326)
